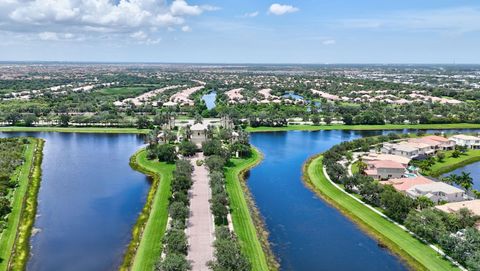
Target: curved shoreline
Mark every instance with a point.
(418, 255)
(454, 166)
(365, 127)
(20, 251)
(269, 261)
(148, 222)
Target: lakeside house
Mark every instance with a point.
(418, 148)
(386, 157)
(384, 169)
(472, 142)
(404, 184)
(472, 205)
(437, 192)
(435, 142)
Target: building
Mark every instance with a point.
(472, 205)
(199, 133)
(471, 142)
(389, 157)
(441, 143)
(404, 150)
(437, 192)
(404, 184)
(385, 169)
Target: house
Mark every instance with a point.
(404, 184)
(199, 133)
(471, 142)
(444, 143)
(437, 192)
(384, 169)
(404, 150)
(472, 205)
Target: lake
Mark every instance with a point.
(473, 169)
(89, 200)
(209, 99)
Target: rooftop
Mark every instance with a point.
(403, 184)
(472, 205)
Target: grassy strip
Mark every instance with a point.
(15, 240)
(246, 218)
(416, 254)
(146, 244)
(75, 130)
(451, 163)
(365, 127)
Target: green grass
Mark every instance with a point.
(364, 127)
(416, 254)
(450, 163)
(75, 130)
(254, 244)
(14, 240)
(146, 245)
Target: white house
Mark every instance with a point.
(437, 191)
(199, 133)
(400, 149)
(472, 142)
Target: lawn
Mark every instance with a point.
(450, 163)
(242, 220)
(146, 245)
(102, 130)
(14, 240)
(416, 254)
(364, 127)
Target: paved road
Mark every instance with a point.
(200, 229)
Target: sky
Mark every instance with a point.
(241, 31)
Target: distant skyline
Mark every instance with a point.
(235, 31)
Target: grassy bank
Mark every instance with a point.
(450, 163)
(75, 130)
(14, 241)
(416, 254)
(365, 127)
(146, 244)
(246, 220)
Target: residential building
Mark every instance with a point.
(199, 133)
(472, 142)
(386, 157)
(386, 169)
(404, 184)
(437, 192)
(472, 205)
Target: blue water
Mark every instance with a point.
(473, 169)
(292, 95)
(305, 232)
(88, 202)
(210, 99)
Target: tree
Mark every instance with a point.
(465, 180)
(173, 262)
(396, 205)
(187, 148)
(29, 119)
(212, 147)
(215, 163)
(178, 211)
(455, 154)
(424, 203)
(143, 122)
(175, 241)
(166, 153)
(13, 117)
(228, 255)
(426, 224)
(440, 156)
(64, 120)
(327, 120)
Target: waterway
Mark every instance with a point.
(209, 99)
(473, 169)
(89, 200)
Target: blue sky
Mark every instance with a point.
(241, 31)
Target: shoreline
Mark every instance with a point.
(142, 254)
(453, 166)
(238, 172)
(364, 127)
(416, 259)
(75, 130)
(20, 250)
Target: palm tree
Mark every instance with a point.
(465, 180)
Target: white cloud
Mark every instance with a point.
(139, 35)
(279, 9)
(94, 18)
(251, 14)
(329, 42)
(186, 28)
(48, 36)
(452, 20)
